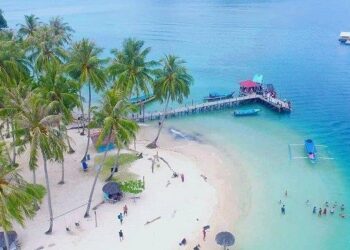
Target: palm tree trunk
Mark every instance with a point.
(7, 128)
(48, 194)
(14, 145)
(88, 129)
(62, 173)
(82, 113)
(7, 243)
(115, 166)
(34, 176)
(70, 149)
(95, 180)
(154, 143)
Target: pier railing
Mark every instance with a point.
(273, 103)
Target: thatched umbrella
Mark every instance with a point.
(225, 239)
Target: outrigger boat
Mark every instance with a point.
(246, 112)
(142, 99)
(310, 149)
(216, 97)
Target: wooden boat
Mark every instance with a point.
(216, 97)
(142, 99)
(310, 149)
(246, 112)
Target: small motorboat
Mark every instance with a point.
(216, 97)
(246, 112)
(310, 149)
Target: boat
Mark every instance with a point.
(310, 149)
(216, 97)
(344, 37)
(246, 112)
(142, 99)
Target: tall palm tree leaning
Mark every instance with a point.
(116, 126)
(17, 197)
(85, 63)
(172, 84)
(41, 132)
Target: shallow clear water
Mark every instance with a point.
(294, 45)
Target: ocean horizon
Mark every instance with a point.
(294, 44)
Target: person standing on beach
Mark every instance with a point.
(204, 234)
(314, 210)
(325, 211)
(121, 235)
(320, 212)
(286, 193)
(120, 217)
(182, 177)
(125, 209)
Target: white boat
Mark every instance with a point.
(344, 37)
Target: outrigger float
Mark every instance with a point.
(310, 150)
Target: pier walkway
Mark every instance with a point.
(273, 103)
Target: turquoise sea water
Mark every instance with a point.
(294, 45)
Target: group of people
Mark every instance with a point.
(332, 209)
(121, 217)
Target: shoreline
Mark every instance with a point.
(184, 207)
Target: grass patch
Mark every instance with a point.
(124, 163)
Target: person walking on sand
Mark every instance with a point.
(204, 234)
(125, 209)
(121, 235)
(120, 217)
(182, 177)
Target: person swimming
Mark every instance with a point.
(325, 211)
(326, 204)
(314, 210)
(283, 210)
(332, 211)
(320, 212)
(342, 208)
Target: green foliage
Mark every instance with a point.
(124, 161)
(18, 198)
(3, 23)
(132, 186)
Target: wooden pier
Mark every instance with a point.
(273, 103)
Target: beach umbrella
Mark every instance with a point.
(225, 239)
(111, 188)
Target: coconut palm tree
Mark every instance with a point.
(131, 70)
(62, 32)
(59, 94)
(17, 197)
(87, 66)
(40, 130)
(172, 84)
(116, 126)
(31, 24)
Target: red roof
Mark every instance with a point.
(248, 84)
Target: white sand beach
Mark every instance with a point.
(183, 208)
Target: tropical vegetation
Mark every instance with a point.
(46, 84)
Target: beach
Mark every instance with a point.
(184, 208)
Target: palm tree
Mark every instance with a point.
(28, 29)
(172, 84)
(62, 32)
(41, 132)
(113, 117)
(60, 95)
(131, 70)
(17, 197)
(85, 64)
